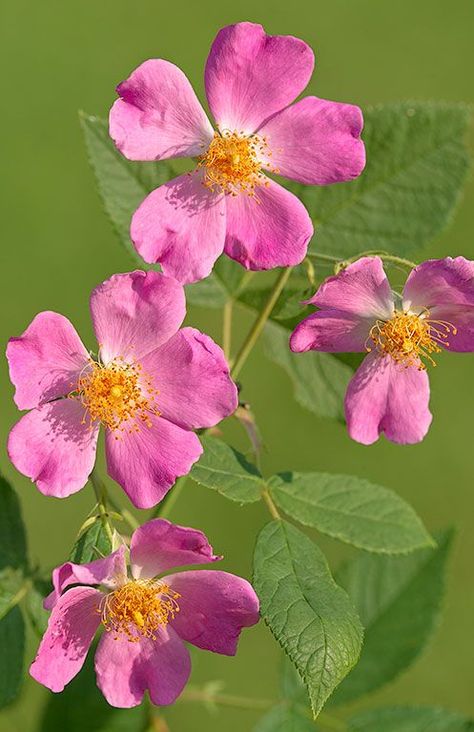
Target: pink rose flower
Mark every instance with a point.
(358, 312)
(145, 619)
(151, 385)
(228, 203)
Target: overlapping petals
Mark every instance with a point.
(251, 78)
(211, 609)
(151, 386)
(389, 393)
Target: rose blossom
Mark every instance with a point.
(145, 619)
(228, 203)
(150, 387)
(358, 312)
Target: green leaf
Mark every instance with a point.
(399, 603)
(122, 184)
(416, 167)
(221, 285)
(350, 509)
(13, 551)
(82, 707)
(292, 688)
(12, 643)
(410, 719)
(35, 611)
(310, 616)
(227, 471)
(319, 379)
(93, 543)
(284, 719)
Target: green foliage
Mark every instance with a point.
(309, 615)
(81, 707)
(12, 644)
(410, 719)
(13, 567)
(284, 719)
(416, 167)
(350, 509)
(399, 602)
(122, 184)
(36, 613)
(93, 542)
(227, 471)
(319, 379)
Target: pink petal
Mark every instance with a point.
(126, 670)
(213, 608)
(181, 225)
(147, 463)
(270, 229)
(384, 396)
(316, 141)
(250, 76)
(71, 629)
(52, 446)
(134, 313)
(108, 571)
(159, 545)
(192, 376)
(45, 362)
(158, 115)
(446, 288)
(362, 288)
(333, 331)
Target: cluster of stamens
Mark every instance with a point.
(409, 338)
(233, 162)
(138, 609)
(118, 394)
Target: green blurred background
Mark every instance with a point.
(57, 57)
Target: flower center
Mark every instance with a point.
(410, 338)
(138, 609)
(116, 394)
(233, 163)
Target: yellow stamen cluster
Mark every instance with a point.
(233, 162)
(138, 609)
(118, 394)
(409, 338)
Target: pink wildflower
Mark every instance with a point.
(228, 203)
(145, 619)
(151, 386)
(358, 312)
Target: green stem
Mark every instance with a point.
(227, 329)
(370, 252)
(101, 495)
(164, 509)
(225, 700)
(259, 323)
(17, 598)
(270, 504)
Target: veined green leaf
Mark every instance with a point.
(399, 603)
(320, 380)
(350, 509)
(122, 184)
(410, 719)
(310, 616)
(12, 643)
(416, 167)
(13, 551)
(227, 471)
(93, 543)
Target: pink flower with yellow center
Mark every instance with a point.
(358, 312)
(146, 616)
(229, 203)
(151, 385)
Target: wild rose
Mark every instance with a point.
(228, 203)
(150, 386)
(145, 619)
(358, 312)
